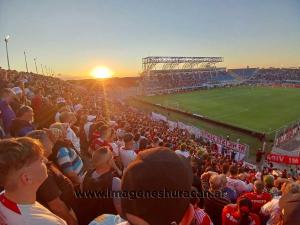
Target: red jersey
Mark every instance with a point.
(98, 143)
(36, 103)
(201, 217)
(231, 216)
(258, 200)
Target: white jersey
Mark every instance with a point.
(27, 214)
(127, 156)
(71, 136)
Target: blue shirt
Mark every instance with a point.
(7, 115)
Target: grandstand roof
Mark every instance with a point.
(172, 62)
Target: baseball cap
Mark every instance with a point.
(77, 107)
(90, 118)
(17, 90)
(157, 170)
(60, 100)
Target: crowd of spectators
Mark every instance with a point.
(76, 157)
(276, 75)
(162, 80)
(174, 81)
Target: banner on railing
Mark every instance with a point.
(283, 159)
(172, 124)
(157, 117)
(287, 135)
(242, 148)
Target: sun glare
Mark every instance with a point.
(101, 72)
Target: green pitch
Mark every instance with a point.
(262, 109)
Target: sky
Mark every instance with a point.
(74, 36)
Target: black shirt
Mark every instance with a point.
(97, 205)
(56, 185)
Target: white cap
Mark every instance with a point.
(17, 90)
(91, 118)
(112, 123)
(77, 107)
(60, 100)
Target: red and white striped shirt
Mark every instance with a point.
(201, 217)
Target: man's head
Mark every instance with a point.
(224, 180)
(102, 158)
(18, 92)
(259, 186)
(39, 91)
(66, 117)
(128, 140)
(151, 178)
(244, 207)
(105, 132)
(225, 168)
(43, 137)
(233, 170)
(269, 181)
(7, 95)
(290, 187)
(25, 113)
(215, 183)
(62, 127)
(183, 147)
(21, 164)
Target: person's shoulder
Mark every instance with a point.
(108, 219)
(230, 208)
(255, 218)
(38, 214)
(267, 195)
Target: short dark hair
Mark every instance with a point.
(233, 169)
(15, 153)
(225, 168)
(24, 109)
(103, 129)
(259, 186)
(128, 137)
(40, 135)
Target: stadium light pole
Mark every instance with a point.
(46, 69)
(42, 69)
(6, 41)
(35, 66)
(26, 61)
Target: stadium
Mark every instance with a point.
(150, 112)
(258, 103)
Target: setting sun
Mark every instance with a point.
(101, 72)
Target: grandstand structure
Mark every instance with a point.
(178, 73)
(177, 63)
